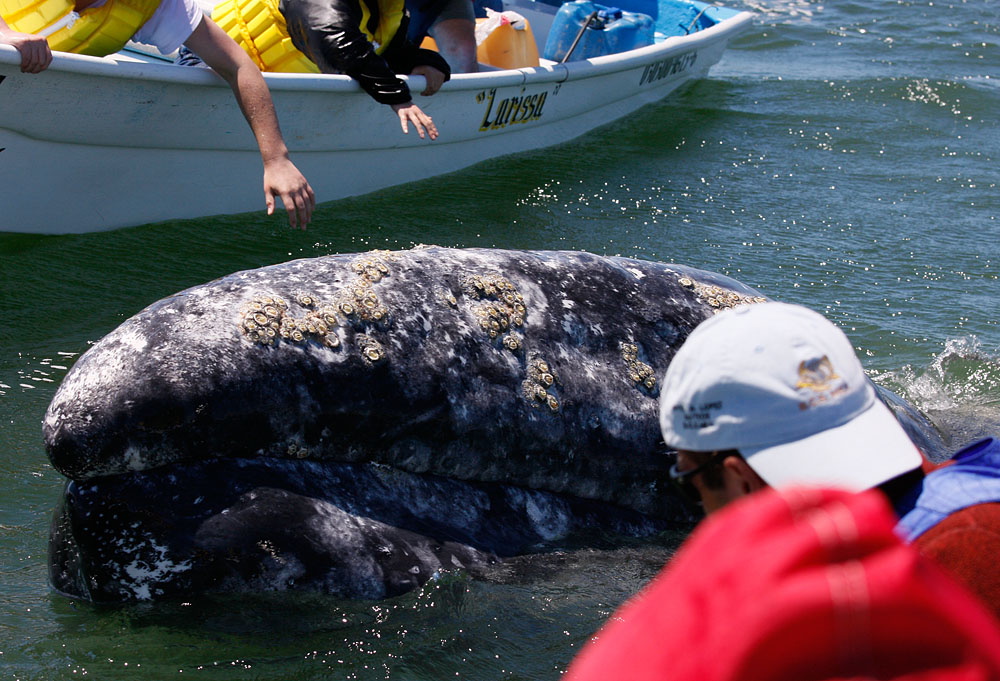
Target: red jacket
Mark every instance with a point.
(791, 586)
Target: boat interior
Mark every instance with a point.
(527, 33)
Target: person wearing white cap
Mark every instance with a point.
(773, 395)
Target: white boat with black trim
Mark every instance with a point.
(95, 144)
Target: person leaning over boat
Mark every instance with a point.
(773, 395)
(366, 39)
(166, 25)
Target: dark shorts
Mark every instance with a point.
(425, 13)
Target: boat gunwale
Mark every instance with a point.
(109, 67)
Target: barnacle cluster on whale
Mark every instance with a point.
(371, 350)
(717, 297)
(261, 319)
(267, 319)
(297, 451)
(374, 266)
(640, 373)
(500, 308)
(541, 379)
(359, 302)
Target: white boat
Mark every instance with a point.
(95, 144)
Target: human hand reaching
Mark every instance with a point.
(283, 179)
(411, 113)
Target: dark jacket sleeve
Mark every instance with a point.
(402, 56)
(328, 32)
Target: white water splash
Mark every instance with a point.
(959, 390)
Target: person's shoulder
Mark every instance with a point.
(963, 539)
(966, 543)
(978, 518)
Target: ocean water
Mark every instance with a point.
(843, 156)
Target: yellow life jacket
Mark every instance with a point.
(259, 28)
(97, 31)
(381, 28)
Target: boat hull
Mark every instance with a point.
(97, 144)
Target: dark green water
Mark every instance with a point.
(843, 156)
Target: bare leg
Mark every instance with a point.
(456, 41)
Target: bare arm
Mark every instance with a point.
(281, 177)
(35, 53)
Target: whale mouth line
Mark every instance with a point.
(361, 529)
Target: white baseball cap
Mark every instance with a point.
(782, 385)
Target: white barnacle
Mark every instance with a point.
(511, 342)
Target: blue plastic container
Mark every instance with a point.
(613, 31)
(682, 18)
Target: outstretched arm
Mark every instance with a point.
(281, 177)
(35, 53)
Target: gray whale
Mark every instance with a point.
(358, 423)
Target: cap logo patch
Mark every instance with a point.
(816, 374)
(819, 378)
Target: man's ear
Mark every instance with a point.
(739, 472)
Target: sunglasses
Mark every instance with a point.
(683, 481)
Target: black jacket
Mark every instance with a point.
(329, 33)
